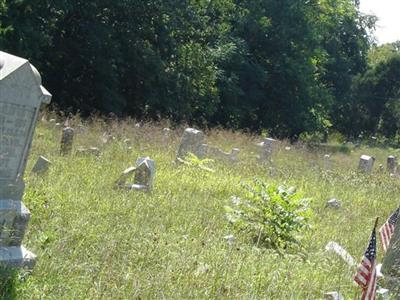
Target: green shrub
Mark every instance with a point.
(273, 216)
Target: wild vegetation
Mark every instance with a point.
(97, 242)
(283, 66)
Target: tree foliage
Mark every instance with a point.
(285, 66)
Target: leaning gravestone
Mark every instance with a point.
(192, 141)
(21, 95)
(366, 163)
(144, 171)
(41, 165)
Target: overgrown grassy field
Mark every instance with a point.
(97, 242)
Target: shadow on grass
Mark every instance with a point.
(8, 281)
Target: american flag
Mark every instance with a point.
(387, 229)
(366, 271)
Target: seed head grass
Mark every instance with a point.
(94, 241)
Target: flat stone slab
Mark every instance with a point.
(341, 252)
(41, 165)
(17, 257)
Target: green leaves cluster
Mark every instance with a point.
(285, 66)
(273, 216)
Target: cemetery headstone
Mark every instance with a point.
(382, 294)
(391, 164)
(333, 296)
(215, 152)
(21, 95)
(366, 163)
(192, 141)
(41, 165)
(67, 139)
(144, 171)
(166, 136)
(333, 203)
(327, 162)
(341, 252)
(268, 146)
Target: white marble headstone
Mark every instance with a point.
(21, 95)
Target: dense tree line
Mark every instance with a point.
(286, 66)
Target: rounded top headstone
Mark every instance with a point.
(2, 62)
(38, 78)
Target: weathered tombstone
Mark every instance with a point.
(21, 95)
(327, 162)
(382, 294)
(333, 296)
(340, 251)
(333, 203)
(144, 171)
(41, 165)
(67, 139)
(192, 141)
(366, 163)
(391, 164)
(267, 148)
(215, 152)
(144, 174)
(166, 136)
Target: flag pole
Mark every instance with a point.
(376, 222)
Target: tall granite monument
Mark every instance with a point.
(21, 95)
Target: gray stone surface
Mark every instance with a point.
(192, 141)
(391, 164)
(67, 140)
(333, 203)
(334, 247)
(216, 153)
(86, 151)
(268, 145)
(14, 219)
(21, 95)
(366, 163)
(333, 296)
(41, 165)
(166, 136)
(382, 294)
(17, 257)
(391, 264)
(144, 174)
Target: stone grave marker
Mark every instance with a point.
(333, 296)
(366, 163)
(267, 147)
(21, 95)
(327, 162)
(67, 139)
(341, 252)
(391, 164)
(41, 165)
(333, 203)
(144, 171)
(192, 141)
(166, 136)
(215, 152)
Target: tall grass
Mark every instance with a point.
(97, 242)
